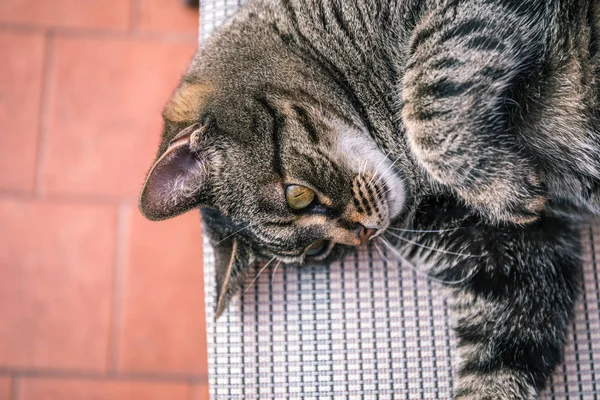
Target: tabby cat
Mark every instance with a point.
(305, 128)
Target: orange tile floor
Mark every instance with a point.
(95, 302)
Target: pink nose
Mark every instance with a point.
(364, 234)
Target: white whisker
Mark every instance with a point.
(366, 166)
(257, 275)
(386, 192)
(379, 166)
(404, 261)
(363, 167)
(383, 257)
(275, 270)
(424, 246)
(424, 230)
(384, 172)
(234, 233)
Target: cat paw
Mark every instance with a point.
(514, 197)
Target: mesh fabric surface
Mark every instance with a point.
(364, 328)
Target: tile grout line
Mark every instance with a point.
(15, 388)
(43, 110)
(20, 374)
(192, 394)
(134, 17)
(164, 37)
(118, 296)
(68, 198)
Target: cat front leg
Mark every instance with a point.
(511, 318)
(465, 61)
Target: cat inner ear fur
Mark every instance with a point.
(177, 181)
(231, 268)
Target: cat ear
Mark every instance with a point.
(231, 267)
(186, 102)
(178, 178)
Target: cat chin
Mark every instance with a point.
(357, 150)
(334, 252)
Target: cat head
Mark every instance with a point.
(279, 170)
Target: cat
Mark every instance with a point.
(305, 128)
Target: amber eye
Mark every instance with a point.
(299, 197)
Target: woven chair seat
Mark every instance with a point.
(363, 328)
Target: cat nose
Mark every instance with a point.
(364, 233)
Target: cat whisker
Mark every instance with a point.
(379, 166)
(363, 167)
(383, 257)
(233, 234)
(259, 272)
(424, 230)
(384, 172)
(275, 270)
(366, 165)
(424, 246)
(405, 262)
(386, 192)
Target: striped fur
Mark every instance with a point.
(472, 125)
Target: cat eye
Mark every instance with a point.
(299, 197)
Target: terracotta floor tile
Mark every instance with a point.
(42, 389)
(5, 388)
(105, 123)
(21, 72)
(200, 392)
(166, 16)
(56, 277)
(110, 14)
(164, 326)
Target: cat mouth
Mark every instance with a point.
(321, 249)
